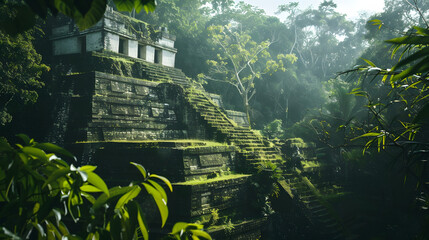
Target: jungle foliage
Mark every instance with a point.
(85, 13)
(20, 71)
(44, 197)
(380, 107)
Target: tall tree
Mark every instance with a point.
(20, 69)
(241, 60)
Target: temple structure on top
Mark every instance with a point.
(116, 33)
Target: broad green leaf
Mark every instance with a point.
(142, 225)
(113, 193)
(88, 197)
(90, 188)
(59, 162)
(24, 138)
(35, 152)
(194, 226)
(95, 180)
(124, 5)
(130, 195)
(52, 148)
(162, 206)
(141, 169)
(165, 180)
(159, 188)
(147, 5)
(63, 228)
(150, 6)
(55, 175)
(179, 227)
(200, 233)
(86, 15)
(88, 168)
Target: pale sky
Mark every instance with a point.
(350, 7)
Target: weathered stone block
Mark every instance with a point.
(142, 90)
(211, 160)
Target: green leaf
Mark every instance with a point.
(141, 169)
(84, 16)
(143, 228)
(150, 6)
(420, 67)
(124, 5)
(159, 188)
(52, 148)
(419, 54)
(422, 31)
(179, 227)
(194, 226)
(369, 62)
(147, 5)
(200, 233)
(52, 231)
(162, 205)
(35, 152)
(63, 228)
(371, 134)
(59, 162)
(95, 180)
(134, 192)
(24, 138)
(414, 40)
(55, 175)
(165, 180)
(90, 188)
(88, 168)
(88, 197)
(113, 193)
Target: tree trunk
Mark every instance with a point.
(247, 108)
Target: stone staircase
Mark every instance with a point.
(319, 213)
(157, 72)
(252, 149)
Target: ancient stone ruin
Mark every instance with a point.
(125, 101)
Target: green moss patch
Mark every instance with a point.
(211, 180)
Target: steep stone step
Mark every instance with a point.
(250, 144)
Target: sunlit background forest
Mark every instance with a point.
(350, 95)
